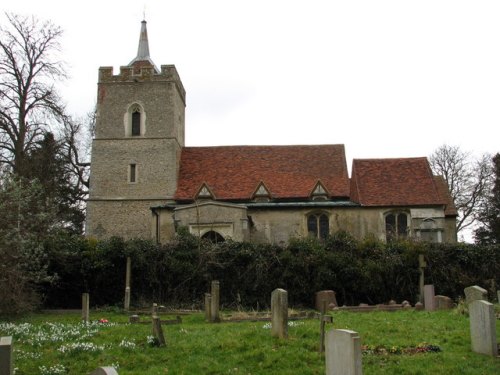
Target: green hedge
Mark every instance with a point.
(179, 273)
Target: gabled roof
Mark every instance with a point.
(289, 172)
(394, 182)
(442, 185)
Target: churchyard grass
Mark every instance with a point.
(50, 344)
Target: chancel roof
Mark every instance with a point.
(395, 182)
(287, 172)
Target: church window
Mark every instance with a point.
(213, 237)
(132, 173)
(136, 122)
(396, 226)
(318, 225)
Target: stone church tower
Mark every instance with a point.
(137, 146)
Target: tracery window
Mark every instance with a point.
(135, 121)
(396, 225)
(318, 225)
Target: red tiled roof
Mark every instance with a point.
(394, 182)
(235, 172)
(450, 209)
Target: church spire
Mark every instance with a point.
(143, 49)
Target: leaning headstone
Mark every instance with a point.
(158, 331)
(279, 313)
(343, 352)
(483, 327)
(474, 293)
(429, 297)
(208, 306)
(6, 360)
(85, 307)
(214, 305)
(104, 371)
(443, 303)
(325, 295)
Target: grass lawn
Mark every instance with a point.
(50, 344)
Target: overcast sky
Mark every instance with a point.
(386, 78)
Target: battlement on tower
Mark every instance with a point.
(146, 73)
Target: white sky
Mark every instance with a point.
(387, 78)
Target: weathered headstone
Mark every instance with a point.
(214, 305)
(134, 319)
(279, 313)
(325, 295)
(85, 307)
(419, 306)
(343, 353)
(104, 371)
(158, 331)
(208, 306)
(443, 303)
(6, 360)
(483, 327)
(429, 297)
(474, 293)
(127, 284)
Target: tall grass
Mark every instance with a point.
(51, 344)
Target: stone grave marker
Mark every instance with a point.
(429, 297)
(325, 295)
(6, 360)
(279, 313)
(85, 307)
(104, 371)
(324, 319)
(419, 306)
(343, 352)
(208, 306)
(158, 331)
(483, 327)
(134, 319)
(443, 303)
(154, 310)
(474, 293)
(215, 300)
(127, 285)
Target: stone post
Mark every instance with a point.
(343, 353)
(279, 313)
(158, 331)
(429, 297)
(127, 284)
(421, 266)
(324, 319)
(85, 307)
(208, 306)
(154, 310)
(483, 327)
(215, 299)
(6, 360)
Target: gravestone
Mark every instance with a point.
(443, 303)
(343, 353)
(325, 295)
(158, 331)
(215, 300)
(6, 360)
(154, 310)
(429, 297)
(279, 313)
(483, 327)
(104, 371)
(474, 293)
(208, 306)
(324, 319)
(85, 307)
(419, 306)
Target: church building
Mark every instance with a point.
(145, 182)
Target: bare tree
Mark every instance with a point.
(29, 69)
(469, 180)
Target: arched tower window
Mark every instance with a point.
(135, 121)
(318, 225)
(396, 225)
